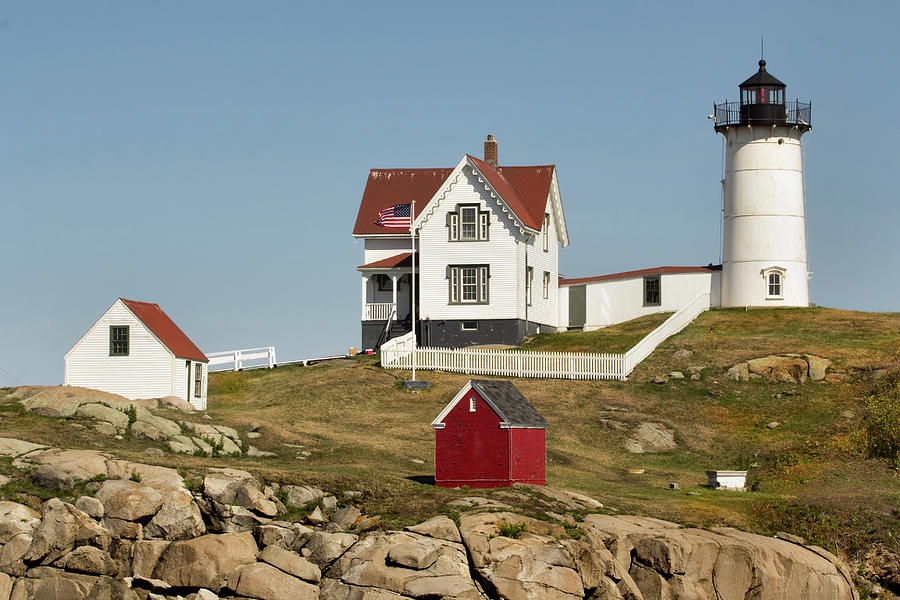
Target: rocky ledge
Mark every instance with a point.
(145, 534)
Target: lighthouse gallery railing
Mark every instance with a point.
(795, 113)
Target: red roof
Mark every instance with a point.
(399, 260)
(387, 187)
(639, 273)
(524, 189)
(165, 329)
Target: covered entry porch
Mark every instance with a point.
(386, 299)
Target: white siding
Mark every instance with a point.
(198, 403)
(563, 303)
(618, 300)
(500, 252)
(381, 248)
(147, 371)
(180, 378)
(542, 310)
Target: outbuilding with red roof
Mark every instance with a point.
(135, 350)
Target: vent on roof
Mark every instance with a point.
(491, 151)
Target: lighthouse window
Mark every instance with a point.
(652, 295)
(774, 285)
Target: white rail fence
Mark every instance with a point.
(678, 321)
(398, 354)
(236, 358)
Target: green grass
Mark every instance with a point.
(614, 339)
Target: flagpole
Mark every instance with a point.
(412, 237)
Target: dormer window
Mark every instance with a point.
(468, 223)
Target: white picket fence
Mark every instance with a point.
(481, 361)
(398, 354)
(236, 358)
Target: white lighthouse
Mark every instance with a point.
(764, 259)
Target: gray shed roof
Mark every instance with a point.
(513, 407)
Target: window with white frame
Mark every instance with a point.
(472, 403)
(468, 284)
(198, 380)
(468, 223)
(546, 284)
(774, 284)
(529, 280)
(545, 233)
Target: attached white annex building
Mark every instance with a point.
(488, 237)
(487, 240)
(135, 350)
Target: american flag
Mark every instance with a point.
(394, 217)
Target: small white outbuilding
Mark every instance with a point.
(135, 350)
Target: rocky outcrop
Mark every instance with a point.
(667, 561)
(650, 437)
(145, 535)
(787, 368)
(116, 415)
(538, 563)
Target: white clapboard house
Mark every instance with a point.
(487, 240)
(135, 350)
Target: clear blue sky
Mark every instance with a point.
(210, 156)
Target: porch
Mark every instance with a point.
(386, 299)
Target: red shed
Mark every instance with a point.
(489, 435)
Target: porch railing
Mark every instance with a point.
(378, 311)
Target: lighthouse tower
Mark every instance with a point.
(764, 237)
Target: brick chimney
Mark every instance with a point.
(491, 151)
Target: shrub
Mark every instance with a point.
(217, 445)
(511, 530)
(135, 476)
(132, 414)
(882, 425)
(573, 531)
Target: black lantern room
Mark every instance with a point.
(762, 98)
(762, 103)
